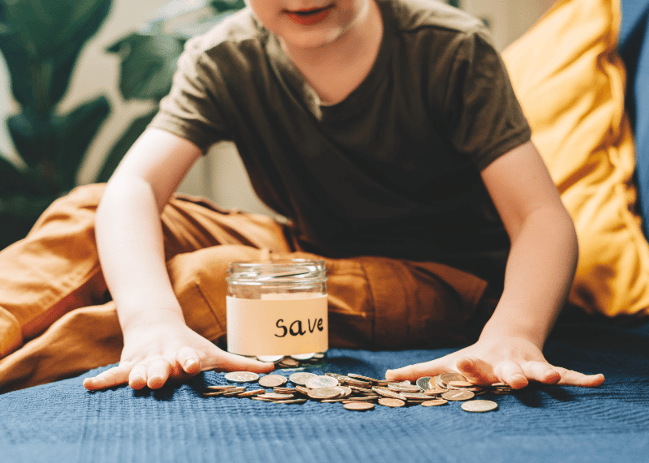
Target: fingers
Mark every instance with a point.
(418, 370)
(476, 370)
(541, 372)
(189, 360)
(574, 378)
(157, 373)
(220, 360)
(115, 376)
(511, 373)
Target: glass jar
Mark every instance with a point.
(277, 307)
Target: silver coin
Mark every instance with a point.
(242, 376)
(444, 379)
(479, 406)
(321, 381)
(303, 357)
(301, 378)
(424, 383)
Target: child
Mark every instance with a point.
(387, 132)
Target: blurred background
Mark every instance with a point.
(105, 89)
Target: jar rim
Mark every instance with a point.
(277, 271)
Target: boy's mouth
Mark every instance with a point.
(309, 16)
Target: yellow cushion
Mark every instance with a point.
(570, 82)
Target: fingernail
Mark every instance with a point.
(190, 363)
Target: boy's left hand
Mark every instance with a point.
(512, 360)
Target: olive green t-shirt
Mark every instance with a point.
(392, 170)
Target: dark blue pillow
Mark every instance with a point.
(634, 49)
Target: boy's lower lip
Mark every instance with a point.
(309, 17)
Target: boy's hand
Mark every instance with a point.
(511, 360)
(157, 353)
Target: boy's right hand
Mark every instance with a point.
(154, 354)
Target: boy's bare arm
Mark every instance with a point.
(539, 273)
(157, 343)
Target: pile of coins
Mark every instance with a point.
(358, 392)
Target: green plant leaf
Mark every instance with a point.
(11, 179)
(27, 139)
(148, 62)
(120, 148)
(46, 26)
(75, 131)
(40, 75)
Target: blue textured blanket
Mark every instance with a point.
(61, 422)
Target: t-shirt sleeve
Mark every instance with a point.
(483, 116)
(191, 110)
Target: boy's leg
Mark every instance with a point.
(55, 269)
(91, 337)
(383, 303)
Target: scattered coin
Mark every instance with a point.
(414, 396)
(288, 362)
(290, 401)
(302, 357)
(434, 403)
(458, 395)
(325, 393)
(479, 406)
(321, 381)
(252, 393)
(275, 396)
(345, 391)
(364, 378)
(285, 390)
(385, 392)
(359, 406)
(301, 378)
(222, 387)
(435, 391)
(424, 383)
(242, 376)
(443, 379)
(392, 403)
(460, 384)
(272, 380)
(363, 398)
(400, 387)
(234, 392)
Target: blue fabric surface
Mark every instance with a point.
(61, 422)
(634, 49)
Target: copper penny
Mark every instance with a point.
(359, 406)
(479, 406)
(458, 395)
(434, 403)
(392, 403)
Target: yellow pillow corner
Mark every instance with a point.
(570, 82)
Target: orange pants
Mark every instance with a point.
(57, 319)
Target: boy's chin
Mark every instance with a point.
(312, 40)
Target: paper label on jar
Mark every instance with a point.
(277, 325)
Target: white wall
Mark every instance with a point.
(220, 176)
